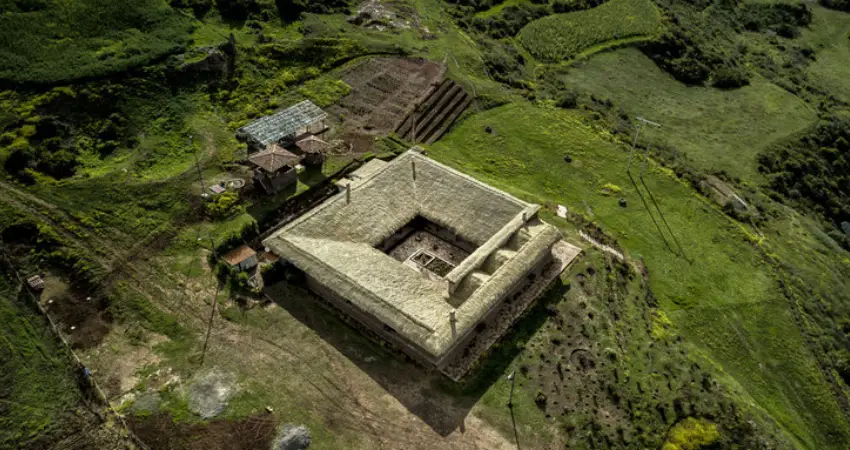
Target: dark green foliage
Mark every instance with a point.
(52, 41)
(814, 172)
(506, 65)
(784, 19)
(199, 7)
(567, 100)
(511, 19)
(565, 6)
(729, 78)
(841, 5)
(679, 55)
(292, 9)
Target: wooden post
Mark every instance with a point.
(453, 321)
(347, 193)
(413, 167)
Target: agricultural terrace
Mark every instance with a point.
(566, 36)
(718, 129)
(723, 297)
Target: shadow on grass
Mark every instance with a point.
(430, 395)
(648, 210)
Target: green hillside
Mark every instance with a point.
(725, 325)
(54, 41)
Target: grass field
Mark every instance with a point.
(718, 129)
(54, 41)
(726, 300)
(829, 34)
(498, 8)
(565, 36)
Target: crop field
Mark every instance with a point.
(383, 92)
(58, 40)
(718, 129)
(562, 37)
(723, 297)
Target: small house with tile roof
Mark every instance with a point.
(274, 168)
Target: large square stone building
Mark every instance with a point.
(419, 253)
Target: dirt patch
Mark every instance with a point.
(84, 319)
(160, 432)
(383, 92)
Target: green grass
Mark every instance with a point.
(829, 34)
(726, 301)
(718, 129)
(66, 40)
(498, 8)
(36, 385)
(565, 36)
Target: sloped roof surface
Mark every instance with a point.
(270, 129)
(274, 158)
(312, 144)
(239, 254)
(335, 243)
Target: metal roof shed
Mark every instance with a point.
(286, 124)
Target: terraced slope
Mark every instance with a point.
(434, 116)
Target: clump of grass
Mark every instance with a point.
(324, 91)
(565, 36)
(691, 434)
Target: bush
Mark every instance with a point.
(221, 205)
(677, 54)
(567, 100)
(841, 5)
(506, 65)
(729, 78)
(784, 19)
(814, 172)
(511, 19)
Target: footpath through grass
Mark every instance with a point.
(726, 301)
(718, 129)
(564, 36)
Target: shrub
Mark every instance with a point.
(691, 434)
(567, 100)
(729, 78)
(841, 5)
(506, 65)
(221, 205)
(511, 19)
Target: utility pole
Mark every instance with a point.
(641, 122)
(212, 309)
(512, 379)
(198, 165)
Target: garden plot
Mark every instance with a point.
(383, 92)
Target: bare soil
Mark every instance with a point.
(160, 432)
(383, 92)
